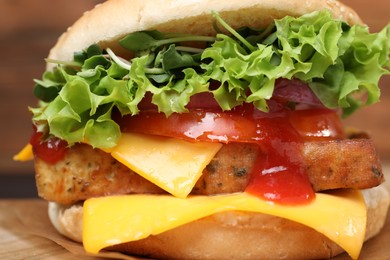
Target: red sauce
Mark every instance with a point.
(51, 150)
(279, 174)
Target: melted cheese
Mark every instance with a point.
(113, 220)
(175, 166)
(26, 154)
(172, 164)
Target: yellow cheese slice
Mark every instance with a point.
(118, 219)
(172, 164)
(26, 154)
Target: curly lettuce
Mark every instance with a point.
(340, 63)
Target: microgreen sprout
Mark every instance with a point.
(64, 63)
(233, 32)
(118, 60)
(189, 49)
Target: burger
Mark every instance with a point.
(211, 130)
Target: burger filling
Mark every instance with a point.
(250, 111)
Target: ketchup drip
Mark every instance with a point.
(279, 173)
(51, 150)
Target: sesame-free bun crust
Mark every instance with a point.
(233, 235)
(113, 19)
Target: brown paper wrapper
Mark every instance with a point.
(27, 220)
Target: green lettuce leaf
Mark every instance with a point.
(347, 62)
(342, 64)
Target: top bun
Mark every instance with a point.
(114, 19)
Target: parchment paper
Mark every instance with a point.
(29, 217)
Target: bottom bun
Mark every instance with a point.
(233, 235)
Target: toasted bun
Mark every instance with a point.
(233, 235)
(112, 20)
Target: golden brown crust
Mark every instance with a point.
(86, 172)
(351, 163)
(113, 19)
(234, 235)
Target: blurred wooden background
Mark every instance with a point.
(29, 28)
